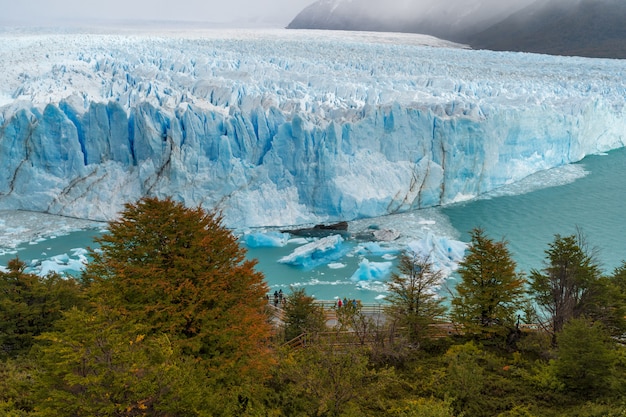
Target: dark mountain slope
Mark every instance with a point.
(592, 28)
(334, 15)
(449, 19)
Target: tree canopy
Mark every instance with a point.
(29, 305)
(586, 358)
(176, 323)
(490, 292)
(170, 319)
(413, 302)
(302, 315)
(178, 271)
(563, 289)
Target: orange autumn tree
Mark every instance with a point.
(179, 272)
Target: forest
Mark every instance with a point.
(169, 318)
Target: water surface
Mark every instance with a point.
(595, 203)
(529, 219)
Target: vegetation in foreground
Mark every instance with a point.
(170, 319)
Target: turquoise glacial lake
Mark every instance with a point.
(589, 195)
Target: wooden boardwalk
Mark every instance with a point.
(376, 312)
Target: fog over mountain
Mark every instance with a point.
(452, 19)
(562, 27)
(592, 28)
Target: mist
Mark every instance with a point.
(452, 11)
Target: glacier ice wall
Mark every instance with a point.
(287, 127)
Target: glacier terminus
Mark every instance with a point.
(277, 127)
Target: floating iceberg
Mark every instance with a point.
(61, 264)
(386, 235)
(374, 248)
(319, 252)
(372, 271)
(444, 253)
(265, 239)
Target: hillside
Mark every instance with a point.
(590, 28)
(453, 20)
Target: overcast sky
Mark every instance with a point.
(276, 13)
(272, 12)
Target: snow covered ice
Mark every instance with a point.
(372, 271)
(265, 239)
(17, 227)
(278, 128)
(318, 252)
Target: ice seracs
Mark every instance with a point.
(278, 128)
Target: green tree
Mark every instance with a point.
(178, 272)
(563, 289)
(425, 407)
(517, 411)
(608, 304)
(17, 387)
(29, 305)
(478, 381)
(490, 292)
(302, 315)
(618, 283)
(99, 364)
(464, 378)
(326, 379)
(619, 277)
(585, 358)
(413, 303)
(366, 326)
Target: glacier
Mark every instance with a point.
(277, 127)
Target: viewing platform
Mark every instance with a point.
(376, 311)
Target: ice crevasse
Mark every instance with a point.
(278, 128)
